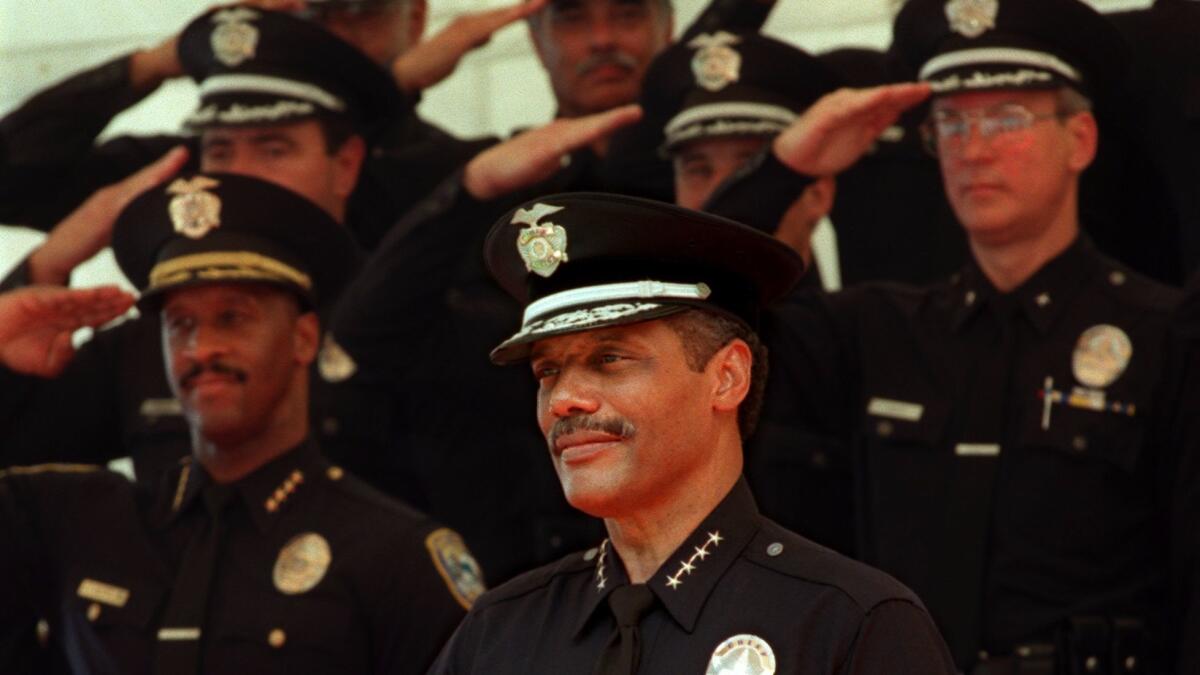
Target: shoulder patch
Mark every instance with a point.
(49, 468)
(456, 565)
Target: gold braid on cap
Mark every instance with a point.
(225, 265)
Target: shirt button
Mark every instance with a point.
(884, 428)
(556, 541)
(1130, 663)
(983, 655)
(775, 549)
(1091, 664)
(276, 638)
(590, 555)
(330, 426)
(93, 611)
(335, 473)
(1079, 443)
(1117, 278)
(970, 298)
(1042, 300)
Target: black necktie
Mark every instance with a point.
(179, 634)
(629, 604)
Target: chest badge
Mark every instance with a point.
(302, 563)
(972, 18)
(234, 40)
(194, 210)
(716, 64)
(543, 247)
(1101, 355)
(742, 655)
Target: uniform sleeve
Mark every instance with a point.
(18, 541)
(455, 658)
(898, 638)
(50, 163)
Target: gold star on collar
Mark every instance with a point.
(686, 567)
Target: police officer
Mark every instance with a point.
(1012, 467)
(254, 554)
(296, 112)
(638, 329)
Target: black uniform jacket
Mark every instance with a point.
(738, 575)
(1010, 467)
(96, 556)
(51, 162)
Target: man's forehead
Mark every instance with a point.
(721, 146)
(230, 294)
(641, 331)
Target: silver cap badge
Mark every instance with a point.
(1101, 355)
(972, 18)
(543, 247)
(194, 211)
(234, 40)
(716, 65)
(742, 655)
(302, 563)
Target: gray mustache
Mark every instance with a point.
(615, 426)
(595, 61)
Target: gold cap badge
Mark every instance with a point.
(972, 18)
(1101, 355)
(302, 563)
(194, 211)
(742, 655)
(543, 247)
(716, 65)
(234, 41)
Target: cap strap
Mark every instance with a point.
(225, 265)
(265, 84)
(1011, 55)
(628, 290)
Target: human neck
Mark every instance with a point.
(230, 458)
(1010, 263)
(646, 538)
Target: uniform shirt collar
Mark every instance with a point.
(689, 575)
(1042, 298)
(267, 493)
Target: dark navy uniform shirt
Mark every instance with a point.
(1006, 512)
(96, 556)
(738, 575)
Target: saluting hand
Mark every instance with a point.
(432, 60)
(535, 155)
(839, 128)
(88, 229)
(36, 323)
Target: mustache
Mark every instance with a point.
(215, 367)
(620, 59)
(615, 426)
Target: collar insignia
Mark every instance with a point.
(302, 563)
(742, 655)
(716, 64)
(688, 566)
(543, 247)
(972, 18)
(1101, 355)
(234, 40)
(194, 211)
(601, 574)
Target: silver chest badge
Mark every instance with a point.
(742, 655)
(543, 247)
(234, 40)
(302, 563)
(1101, 355)
(194, 211)
(716, 65)
(972, 18)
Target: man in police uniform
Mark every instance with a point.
(638, 329)
(254, 554)
(1011, 464)
(280, 99)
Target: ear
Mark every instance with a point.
(306, 338)
(348, 161)
(418, 12)
(1085, 140)
(731, 366)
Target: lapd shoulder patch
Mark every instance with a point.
(456, 565)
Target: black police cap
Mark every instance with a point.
(256, 67)
(227, 228)
(582, 261)
(980, 45)
(726, 84)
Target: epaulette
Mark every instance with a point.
(536, 579)
(1130, 288)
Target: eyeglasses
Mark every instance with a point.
(947, 131)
